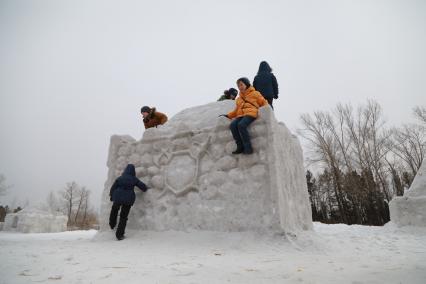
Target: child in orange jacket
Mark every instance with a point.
(246, 111)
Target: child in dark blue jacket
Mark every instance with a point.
(123, 196)
(266, 83)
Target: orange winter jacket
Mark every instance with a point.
(248, 103)
(154, 119)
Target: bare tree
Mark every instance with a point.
(82, 196)
(420, 113)
(325, 150)
(86, 207)
(69, 195)
(375, 148)
(367, 139)
(409, 144)
(75, 203)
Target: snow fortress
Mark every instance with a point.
(410, 209)
(196, 183)
(34, 220)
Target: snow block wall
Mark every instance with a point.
(32, 220)
(196, 183)
(410, 209)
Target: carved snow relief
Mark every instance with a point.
(181, 173)
(196, 183)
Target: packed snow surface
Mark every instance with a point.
(329, 254)
(410, 209)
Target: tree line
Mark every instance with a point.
(361, 163)
(74, 202)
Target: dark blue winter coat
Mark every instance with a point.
(122, 190)
(266, 84)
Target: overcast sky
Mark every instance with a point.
(72, 73)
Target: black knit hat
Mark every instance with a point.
(233, 92)
(245, 81)
(145, 109)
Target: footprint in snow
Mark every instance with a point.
(25, 272)
(55, 277)
(177, 263)
(106, 276)
(186, 274)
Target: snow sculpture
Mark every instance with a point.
(410, 209)
(34, 220)
(196, 183)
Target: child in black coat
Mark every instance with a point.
(123, 196)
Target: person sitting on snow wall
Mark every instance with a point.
(123, 197)
(230, 94)
(246, 111)
(152, 118)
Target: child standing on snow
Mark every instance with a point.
(266, 83)
(123, 197)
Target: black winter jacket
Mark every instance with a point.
(122, 190)
(266, 84)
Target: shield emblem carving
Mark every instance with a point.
(181, 173)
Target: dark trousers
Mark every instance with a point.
(270, 101)
(124, 212)
(240, 132)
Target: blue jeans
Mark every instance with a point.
(240, 133)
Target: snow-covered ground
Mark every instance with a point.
(333, 254)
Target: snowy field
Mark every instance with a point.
(333, 254)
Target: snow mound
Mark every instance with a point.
(410, 209)
(35, 220)
(196, 183)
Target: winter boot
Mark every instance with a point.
(248, 150)
(239, 150)
(119, 238)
